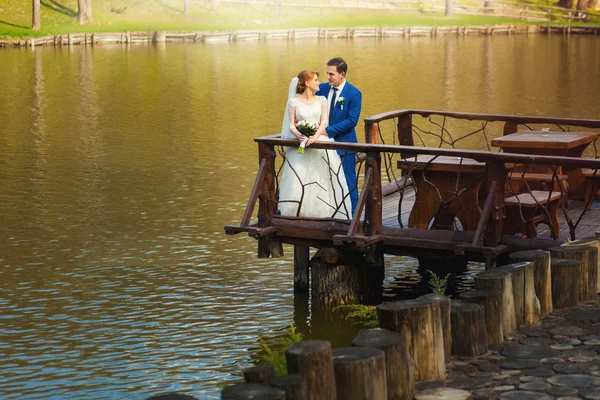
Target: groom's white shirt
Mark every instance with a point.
(337, 94)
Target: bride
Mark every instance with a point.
(313, 183)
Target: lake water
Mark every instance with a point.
(119, 167)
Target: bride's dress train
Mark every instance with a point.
(313, 184)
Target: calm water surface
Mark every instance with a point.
(119, 167)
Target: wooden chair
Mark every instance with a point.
(531, 206)
(592, 186)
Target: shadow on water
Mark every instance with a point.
(404, 279)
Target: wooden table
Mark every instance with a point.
(566, 144)
(438, 179)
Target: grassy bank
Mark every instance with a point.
(59, 17)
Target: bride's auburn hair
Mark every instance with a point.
(303, 77)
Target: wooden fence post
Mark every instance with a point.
(496, 171)
(374, 204)
(267, 245)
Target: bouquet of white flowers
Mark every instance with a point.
(307, 129)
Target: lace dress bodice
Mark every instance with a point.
(316, 111)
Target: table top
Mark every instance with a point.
(535, 140)
(442, 163)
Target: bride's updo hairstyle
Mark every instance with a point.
(303, 77)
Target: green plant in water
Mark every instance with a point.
(276, 355)
(361, 315)
(436, 283)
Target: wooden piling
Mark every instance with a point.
(313, 360)
(502, 281)
(419, 321)
(252, 391)
(566, 282)
(444, 302)
(588, 256)
(294, 386)
(527, 305)
(399, 366)
(301, 260)
(259, 374)
(589, 241)
(360, 373)
(491, 300)
(542, 276)
(469, 330)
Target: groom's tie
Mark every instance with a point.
(332, 105)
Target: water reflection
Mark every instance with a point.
(119, 166)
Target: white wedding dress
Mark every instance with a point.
(313, 184)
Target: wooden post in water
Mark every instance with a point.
(502, 281)
(301, 260)
(566, 282)
(294, 386)
(527, 305)
(399, 366)
(542, 276)
(589, 241)
(444, 302)
(359, 373)
(588, 256)
(252, 391)
(420, 323)
(491, 300)
(313, 360)
(469, 330)
(351, 279)
(259, 374)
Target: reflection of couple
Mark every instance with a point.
(321, 183)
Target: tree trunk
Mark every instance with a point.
(35, 22)
(566, 4)
(186, 6)
(313, 360)
(469, 330)
(502, 281)
(582, 6)
(449, 8)
(84, 11)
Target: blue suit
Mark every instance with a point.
(341, 128)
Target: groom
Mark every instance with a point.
(345, 103)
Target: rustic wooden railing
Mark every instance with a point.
(366, 228)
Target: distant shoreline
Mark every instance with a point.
(290, 34)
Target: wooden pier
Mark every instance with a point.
(533, 218)
(468, 218)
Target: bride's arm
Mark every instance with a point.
(322, 125)
(293, 128)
